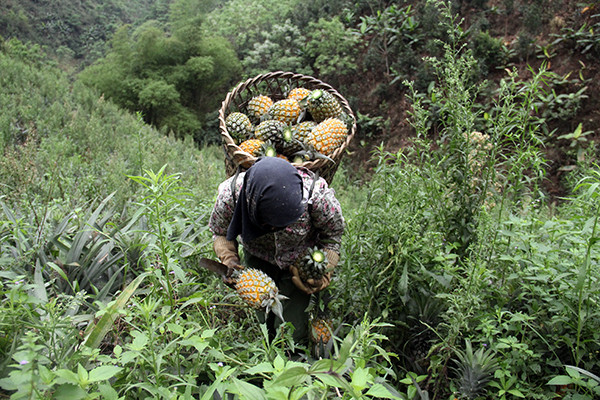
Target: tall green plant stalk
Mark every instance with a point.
(592, 194)
(512, 131)
(164, 198)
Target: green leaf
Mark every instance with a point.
(279, 363)
(103, 373)
(68, 391)
(140, 340)
(248, 391)
(560, 380)
(263, 367)
(66, 376)
(516, 392)
(379, 391)
(82, 374)
(326, 365)
(175, 328)
(291, 377)
(107, 392)
(359, 378)
(96, 332)
(199, 344)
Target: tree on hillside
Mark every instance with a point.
(173, 77)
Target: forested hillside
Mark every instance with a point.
(469, 265)
(74, 32)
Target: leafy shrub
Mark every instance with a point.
(279, 49)
(332, 47)
(488, 52)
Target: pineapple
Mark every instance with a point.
(302, 130)
(321, 329)
(268, 150)
(252, 146)
(239, 126)
(298, 94)
(313, 265)
(269, 130)
(286, 111)
(289, 144)
(258, 290)
(322, 105)
(258, 106)
(328, 135)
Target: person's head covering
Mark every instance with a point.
(270, 198)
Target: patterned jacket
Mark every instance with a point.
(321, 223)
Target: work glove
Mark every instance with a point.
(311, 286)
(227, 253)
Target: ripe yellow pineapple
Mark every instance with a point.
(328, 135)
(258, 106)
(286, 111)
(298, 94)
(258, 290)
(321, 329)
(252, 146)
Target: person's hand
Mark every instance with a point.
(310, 286)
(227, 252)
(232, 267)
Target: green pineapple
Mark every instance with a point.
(239, 126)
(269, 130)
(322, 105)
(313, 265)
(302, 130)
(289, 144)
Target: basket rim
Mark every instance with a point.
(239, 157)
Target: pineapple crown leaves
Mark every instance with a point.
(268, 149)
(475, 369)
(274, 305)
(318, 304)
(309, 153)
(288, 135)
(316, 256)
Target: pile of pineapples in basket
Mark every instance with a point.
(304, 126)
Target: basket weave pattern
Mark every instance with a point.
(276, 85)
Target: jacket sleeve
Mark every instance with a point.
(326, 216)
(222, 212)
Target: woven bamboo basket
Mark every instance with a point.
(276, 85)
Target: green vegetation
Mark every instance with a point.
(461, 276)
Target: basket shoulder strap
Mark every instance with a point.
(311, 189)
(233, 184)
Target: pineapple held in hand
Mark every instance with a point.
(313, 265)
(258, 290)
